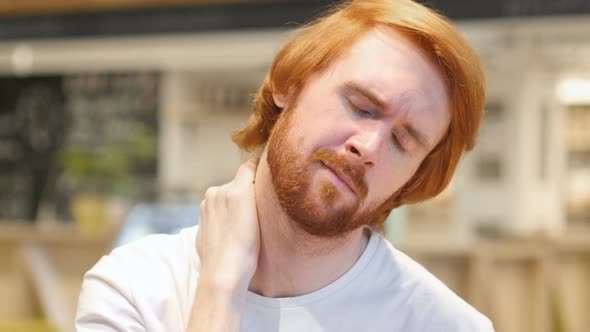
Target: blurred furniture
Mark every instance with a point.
(41, 267)
(522, 285)
(41, 273)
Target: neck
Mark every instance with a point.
(288, 254)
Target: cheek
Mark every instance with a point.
(391, 178)
(324, 131)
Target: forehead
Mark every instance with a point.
(393, 67)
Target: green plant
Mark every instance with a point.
(110, 168)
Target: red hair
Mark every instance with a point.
(319, 43)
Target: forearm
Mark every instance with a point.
(217, 307)
(228, 245)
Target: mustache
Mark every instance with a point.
(352, 169)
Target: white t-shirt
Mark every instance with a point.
(149, 285)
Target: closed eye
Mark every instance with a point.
(397, 143)
(403, 140)
(358, 109)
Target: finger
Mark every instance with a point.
(211, 193)
(202, 210)
(212, 201)
(246, 173)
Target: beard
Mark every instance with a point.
(324, 211)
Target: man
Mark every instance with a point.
(366, 109)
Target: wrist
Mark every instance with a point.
(224, 283)
(233, 271)
(217, 305)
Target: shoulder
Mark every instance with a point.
(429, 302)
(139, 280)
(153, 254)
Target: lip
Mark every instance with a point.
(346, 180)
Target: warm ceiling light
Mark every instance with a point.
(574, 91)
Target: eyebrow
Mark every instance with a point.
(373, 98)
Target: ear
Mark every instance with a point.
(280, 100)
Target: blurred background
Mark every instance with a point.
(116, 115)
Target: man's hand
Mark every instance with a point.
(228, 240)
(228, 243)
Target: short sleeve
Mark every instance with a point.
(105, 303)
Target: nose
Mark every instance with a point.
(365, 146)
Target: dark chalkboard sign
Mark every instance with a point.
(111, 143)
(62, 135)
(32, 123)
